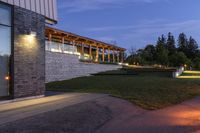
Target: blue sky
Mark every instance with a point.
(130, 23)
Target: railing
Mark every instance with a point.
(61, 48)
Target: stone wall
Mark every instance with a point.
(64, 66)
(29, 53)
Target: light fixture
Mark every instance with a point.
(32, 33)
(7, 78)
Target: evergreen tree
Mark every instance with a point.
(182, 43)
(192, 48)
(161, 51)
(171, 46)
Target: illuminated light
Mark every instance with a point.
(177, 74)
(33, 34)
(189, 77)
(126, 64)
(7, 78)
(192, 72)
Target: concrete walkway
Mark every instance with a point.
(10, 112)
(127, 118)
(96, 113)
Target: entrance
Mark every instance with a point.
(5, 49)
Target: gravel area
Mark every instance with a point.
(81, 118)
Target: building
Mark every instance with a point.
(22, 46)
(88, 49)
(70, 56)
(28, 44)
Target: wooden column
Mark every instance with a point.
(73, 43)
(122, 56)
(113, 56)
(97, 54)
(90, 52)
(63, 43)
(118, 56)
(48, 47)
(108, 54)
(82, 50)
(103, 54)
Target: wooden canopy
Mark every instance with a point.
(63, 36)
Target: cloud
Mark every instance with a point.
(146, 32)
(85, 5)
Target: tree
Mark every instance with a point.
(171, 44)
(196, 63)
(161, 51)
(149, 54)
(192, 48)
(179, 59)
(182, 43)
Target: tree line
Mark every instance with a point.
(168, 52)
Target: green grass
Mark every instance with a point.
(149, 90)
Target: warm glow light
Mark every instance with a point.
(30, 38)
(189, 77)
(192, 72)
(7, 78)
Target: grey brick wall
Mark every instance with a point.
(29, 54)
(64, 66)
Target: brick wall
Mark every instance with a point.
(64, 66)
(29, 54)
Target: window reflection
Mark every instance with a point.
(5, 49)
(5, 17)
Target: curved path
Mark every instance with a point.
(84, 113)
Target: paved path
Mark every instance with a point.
(19, 110)
(84, 113)
(183, 118)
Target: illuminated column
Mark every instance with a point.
(118, 56)
(90, 52)
(82, 50)
(48, 46)
(122, 56)
(113, 56)
(73, 43)
(103, 54)
(61, 48)
(108, 54)
(97, 54)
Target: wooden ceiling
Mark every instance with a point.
(59, 35)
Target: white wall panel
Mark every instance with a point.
(27, 5)
(48, 8)
(16, 2)
(33, 6)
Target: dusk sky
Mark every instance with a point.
(131, 23)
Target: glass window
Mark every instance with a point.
(5, 15)
(5, 40)
(5, 49)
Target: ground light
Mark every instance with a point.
(192, 76)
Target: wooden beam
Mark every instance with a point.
(90, 52)
(108, 54)
(103, 54)
(97, 54)
(113, 56)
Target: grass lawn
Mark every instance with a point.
(149, 90)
